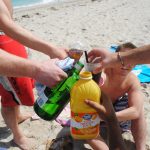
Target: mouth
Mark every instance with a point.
(123, 68)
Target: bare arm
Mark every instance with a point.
(139, 55)
(135, 101)
(11, 65)
(25, 37)
(106, 112)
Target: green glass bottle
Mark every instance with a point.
(52, 101)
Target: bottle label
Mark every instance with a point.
(84, 123)
(65, 64)
(42, 99)
(39, 88)
(77, 66)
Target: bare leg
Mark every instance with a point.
(10, 116)
(138, 129)
(22, 117)
(98, 144)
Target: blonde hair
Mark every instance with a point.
(125, 45)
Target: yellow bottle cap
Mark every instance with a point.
(86, 75)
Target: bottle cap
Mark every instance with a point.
(86, 75)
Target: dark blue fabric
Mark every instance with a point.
(121, 104)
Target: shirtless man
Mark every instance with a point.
(11, 35)
(123, 88)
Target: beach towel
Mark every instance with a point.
(141, 71)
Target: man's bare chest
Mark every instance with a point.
(114, 91)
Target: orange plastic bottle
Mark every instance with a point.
(84, 119)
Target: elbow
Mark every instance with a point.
(135, 114)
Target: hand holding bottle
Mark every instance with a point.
(84, 119)
(51, 101)
(105, 109)
(49, 73)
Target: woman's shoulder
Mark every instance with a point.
(132, 80)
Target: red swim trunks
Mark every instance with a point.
(21, 88)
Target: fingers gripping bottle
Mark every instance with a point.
(84, 119)
(51, 102)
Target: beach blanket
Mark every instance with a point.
(141, 71)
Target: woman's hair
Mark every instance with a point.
(125, 45)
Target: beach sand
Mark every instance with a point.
(97, 23)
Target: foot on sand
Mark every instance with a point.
(24, 143)
(22, 118)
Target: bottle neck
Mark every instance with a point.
(86, 75)
(78, 67)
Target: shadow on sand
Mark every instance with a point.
(64, 141)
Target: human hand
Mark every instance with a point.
(105, 58)
(60, 53)
(49, 73)
(105, 109)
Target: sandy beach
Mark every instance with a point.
(97, 23)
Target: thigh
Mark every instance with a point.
(19, 91)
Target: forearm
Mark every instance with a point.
(106, 112)
(14, 66)
(139, 55)
(127, 114)
(116, 141)
(25, 37)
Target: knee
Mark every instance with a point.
(6, 110)
(138, 114)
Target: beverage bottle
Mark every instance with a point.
(65, 64)
(84, 119)
(51, 102)
(76, 50)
